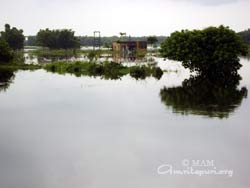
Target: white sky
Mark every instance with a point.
(135, 17)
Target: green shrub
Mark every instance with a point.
(6, 54)
(157, 72)
(211, 51)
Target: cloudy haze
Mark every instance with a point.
(135, 17)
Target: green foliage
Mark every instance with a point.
(11, 39)
(152, 40)
(19, 66)
(105, 41)
(55, 54)
(92, 55)
(64, 54)
(18, 57)
(6, 54)
(139, 72)
(209, 51)
(140, 54)
(57, 39)
(13, 36)
(157, 72)
(245, 36)
(106, 70)
(206, 96)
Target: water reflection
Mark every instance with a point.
(47, 58)
(6, 78)
(201, 95)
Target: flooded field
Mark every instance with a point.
(65, 131)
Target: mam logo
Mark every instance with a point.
(202, 163)
(198, 163)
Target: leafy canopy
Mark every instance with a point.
(14, 37)
(214, 50)
(58, 39)
(6, 53)
(152, 40)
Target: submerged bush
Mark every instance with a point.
(92, 55)
(157, 72)
(138, 72)
(107, 70)
(96, 69)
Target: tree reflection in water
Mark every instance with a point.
(6, 78)
(206, 96)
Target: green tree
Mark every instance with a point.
(209, 51)
(6, 53)
(14, 37)
(152, 40)
(58, 39)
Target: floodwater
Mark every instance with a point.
(30, 58)
(61, 131)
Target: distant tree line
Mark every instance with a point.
(152, 40)
(245, 36)
(105, 41)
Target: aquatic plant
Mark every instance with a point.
(157, 72)
(139, 72)
(106, 70)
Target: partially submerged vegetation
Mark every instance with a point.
(209, 51)
(106, 70)
(69, 52)
(19, 66)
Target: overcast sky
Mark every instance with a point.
(135, 17)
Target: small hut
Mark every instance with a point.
(128, 49)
